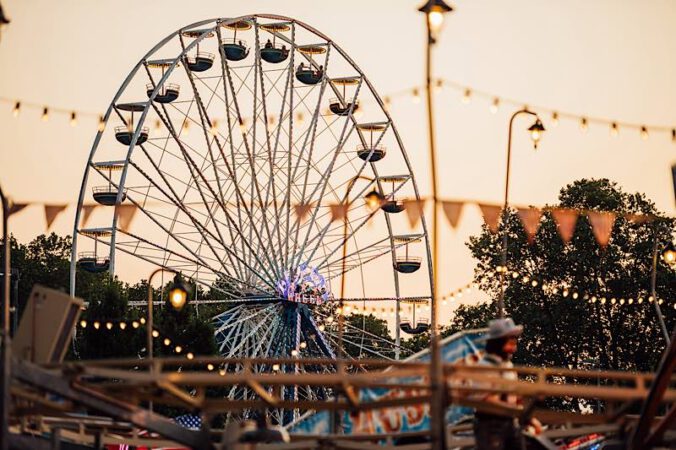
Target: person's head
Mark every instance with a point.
(504, 347)
(502, 337)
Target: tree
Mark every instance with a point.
(553, 294)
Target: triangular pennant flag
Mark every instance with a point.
(339, 211)
(530, 219)
(87, 211)
(16, 207)
(491, 215)
(638, 218)
(414, 210)
(452, 210)
(602, 226)
(565, 219)
(302, 210)
(125, 214)
(51, 212)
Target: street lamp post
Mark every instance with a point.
(178, 297)
(434, 11)
(669, 257)
(536, 131)
(6, 346)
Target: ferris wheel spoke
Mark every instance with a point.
(227, 75)
(175, 237)
(362, 255)
(245, 336)
(195, 222)
(255, 191)
(319, 239)
(324, 181)
(196, 261)
(207, 123)
(311, 136)
(354, 229)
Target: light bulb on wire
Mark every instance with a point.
(644, 133)
(415, 95)
(584, 125)
(614, 131)
(495, 105)
(467, 96)
(45, 114)
(73, 119)
(17, 109)
(555, 118)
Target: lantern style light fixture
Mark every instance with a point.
(435, 10)
(536, 131)
(373, 199)
(178, 293)
(669, 254)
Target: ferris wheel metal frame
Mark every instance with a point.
(160, 92)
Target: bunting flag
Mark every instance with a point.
(414, 210)
(638, 218)
(602, 226)
(16, 207)
(491, 215)
(87, 211)
(530, 219)
(51, 212)
(452, 211)
(565, 219)
(302, 210)
(125, 214)
(339, 211)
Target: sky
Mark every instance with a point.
(614, 59)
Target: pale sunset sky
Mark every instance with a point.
(613, 59)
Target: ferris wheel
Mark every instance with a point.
(252, 150)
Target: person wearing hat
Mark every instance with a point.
(493, 431)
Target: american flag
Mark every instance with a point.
(189, 421)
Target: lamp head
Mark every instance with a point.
(669, 254)
(373, 199)
(3, 19)
(536, 131)
(435, 10)
(178, 293)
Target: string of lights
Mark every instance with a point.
(109, 325)
(566, 290)
(468, 93)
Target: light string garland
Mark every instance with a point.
(109, 325)
(495, 102)
(566, 290)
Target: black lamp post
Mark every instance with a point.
(5, 372)
(4, 21)
(434, 11)
(535, 131)
(178, 297)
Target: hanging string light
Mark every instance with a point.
(574, 293)
(495, 101)
(614, 132)
(415, 95)
(214, 127)
(73, 119)
(495, 105)
(467, 96)
(102, 124)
